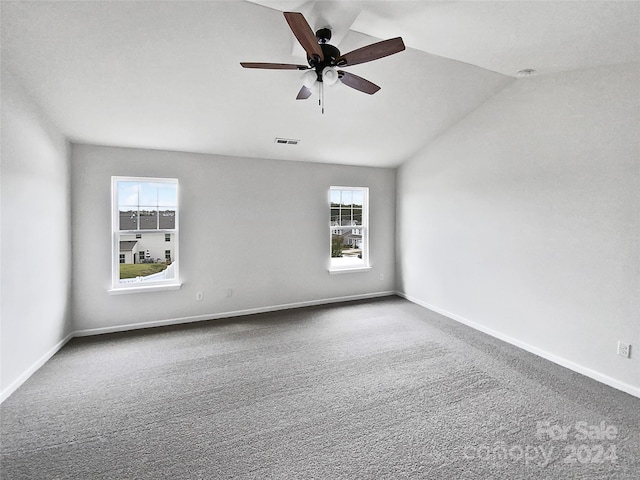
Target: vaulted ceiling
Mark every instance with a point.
(166, 75)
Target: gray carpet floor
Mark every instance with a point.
(381, 389)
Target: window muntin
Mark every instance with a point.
(149, 206)
(348, 227)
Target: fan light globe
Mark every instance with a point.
(309, 78)
(329, 75)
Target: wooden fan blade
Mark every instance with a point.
(304, 93)
(304, 34)
(371, 52)
(358, 83)
(274, 66)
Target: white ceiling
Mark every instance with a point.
(166, 75)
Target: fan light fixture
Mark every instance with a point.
(309, 78)
(329, 75)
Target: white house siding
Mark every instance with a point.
(152, 241)
(128, 256)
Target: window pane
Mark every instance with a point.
(349, 234)
(358, 198)
(357, 216)
(145, 260)
(128, 218)
(128, 193)
(148, 218)
(148, 194)
(346, 216)
(335, 216)
(168, 194)
(167, 218)
(147, 205)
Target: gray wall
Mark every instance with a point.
(523, 219)
(35, 267)
(258, 227)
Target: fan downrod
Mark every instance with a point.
(323, 35)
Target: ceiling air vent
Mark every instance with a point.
(287, 141)
(527, 72)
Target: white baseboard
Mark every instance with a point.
(176, 321)
(229, 314)
(33, 368)
(600, 377)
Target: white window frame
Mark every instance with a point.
(117, 287)
(365, 264)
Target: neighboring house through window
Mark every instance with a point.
(349, 228)
(150, 261)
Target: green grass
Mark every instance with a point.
(128, 270)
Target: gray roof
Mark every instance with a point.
(148, 221)
(127, 245)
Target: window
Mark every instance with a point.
(150, 261)
(349, 228)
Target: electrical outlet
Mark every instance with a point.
(229, 292)
(381, 276)
(199, 296)
(624, 349)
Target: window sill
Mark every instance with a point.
(144, 289)
(333, 271)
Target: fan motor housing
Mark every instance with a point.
(331, 55)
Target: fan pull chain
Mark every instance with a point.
(321, 99)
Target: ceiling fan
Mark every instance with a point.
(325, 59)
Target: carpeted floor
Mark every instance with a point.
(381, 389)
